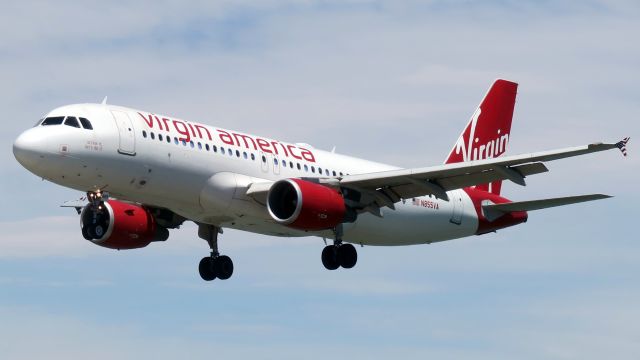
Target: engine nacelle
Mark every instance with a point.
(119, 225)
(306, 205)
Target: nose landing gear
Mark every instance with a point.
(215, 265)
(95, 220)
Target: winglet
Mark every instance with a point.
(622, 145)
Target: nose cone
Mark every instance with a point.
(28, 149)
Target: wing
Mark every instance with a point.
(385, 188)
(389, 187)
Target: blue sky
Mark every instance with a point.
(390, 81)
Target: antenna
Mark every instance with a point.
(334, 149)
(104, 101)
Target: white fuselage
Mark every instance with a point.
(127, 154)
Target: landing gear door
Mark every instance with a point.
(127, 143)
(457, 204)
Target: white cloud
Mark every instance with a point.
(44, 236)
(393, 81)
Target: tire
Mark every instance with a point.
(98, 231)
(224, 267)
(85, 233)
(347, 256)
(207, 271)
(329, 258)
(91, 232)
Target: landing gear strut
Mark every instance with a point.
(215, 265)
(95, 223)
(339, 254)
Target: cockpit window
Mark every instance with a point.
(56, 120)
(72, 121)
(86, 124)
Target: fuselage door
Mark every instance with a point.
(264, 162)
(276, 165)
(127, 143)
(456, 198)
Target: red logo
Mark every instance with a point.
(189, 130)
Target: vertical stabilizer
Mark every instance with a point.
(487, 133)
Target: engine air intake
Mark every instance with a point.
(305, 205)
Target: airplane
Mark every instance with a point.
(144, 173)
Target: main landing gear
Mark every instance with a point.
(215, 265)
(339, 254)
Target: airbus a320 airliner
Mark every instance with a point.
(144, 173)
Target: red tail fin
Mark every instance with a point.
(487, 133)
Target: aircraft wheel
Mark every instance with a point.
(98, 231)
(330, 258)
(347, 256)
(223, 267)
(85, 233)
(91, 231)
(207, 269)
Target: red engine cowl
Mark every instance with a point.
(305, 205)
(119, 225)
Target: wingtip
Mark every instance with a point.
(622, 145)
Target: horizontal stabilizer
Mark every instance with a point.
(494, 211)
(540, 204)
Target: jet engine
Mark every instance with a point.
(305, 205)
(118, 225)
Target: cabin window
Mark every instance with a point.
(144, 134)
(244, 154)
(160, 137)
(152, 136)
(206, 146)
(215, 148)
(221, 150)
(253, 157)
(238, 153)
(264, 158)
(306, 168)
(298, 165)
(199, 146)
